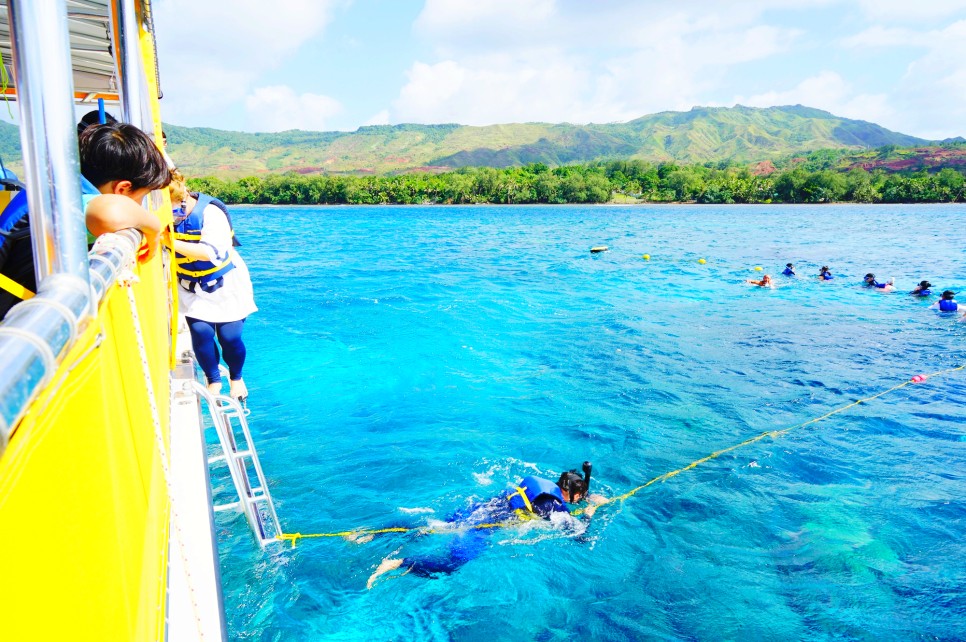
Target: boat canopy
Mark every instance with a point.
(91, 45)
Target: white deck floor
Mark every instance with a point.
(205, 619)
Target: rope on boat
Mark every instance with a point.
(295, 537)
(127, 280)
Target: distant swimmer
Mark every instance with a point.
(870, 282)
(824, 274)
(532, 498)
(922, 289)
(789, 270)
(765, 282)
(947, 302)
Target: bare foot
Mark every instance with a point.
(386, 565)
(215, 387)
(238, 389)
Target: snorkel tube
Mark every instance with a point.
(587, 467)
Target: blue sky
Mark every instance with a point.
(340, 64)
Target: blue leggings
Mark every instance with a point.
(206, 349)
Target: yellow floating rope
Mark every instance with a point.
(422, 530)
(772, 433)
(294, 537)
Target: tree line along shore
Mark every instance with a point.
(630, 181)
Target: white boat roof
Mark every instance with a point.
(89, 23)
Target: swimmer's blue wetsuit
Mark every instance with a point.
(826, 275)
(542, 498)
(788, 272)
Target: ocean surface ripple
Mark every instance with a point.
(408, 360)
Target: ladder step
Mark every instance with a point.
(239, 453)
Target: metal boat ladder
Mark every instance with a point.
(237, 452)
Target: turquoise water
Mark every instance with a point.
(408, 360)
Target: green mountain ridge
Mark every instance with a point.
(703, 134)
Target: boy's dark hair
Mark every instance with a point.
(122, 152)
(572, 484)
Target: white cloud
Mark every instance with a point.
(933, 91)
(211, 56)
(905, 11)
(379, 118)
(465, 22)
(829, 91)
(491, 89)
(879, 36)
(279, 108)
(518, 61)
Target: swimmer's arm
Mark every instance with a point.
(593, 501)
(114, 212)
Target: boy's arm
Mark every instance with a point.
(113, 212)
(593, 501)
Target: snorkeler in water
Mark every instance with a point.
(922, 289)
(947, 302)
(870, 282)
(824, 274)
(789, 270)
(765, 282)
(533, 498)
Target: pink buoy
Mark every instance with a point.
(918, 378)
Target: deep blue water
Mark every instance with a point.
(408, 360)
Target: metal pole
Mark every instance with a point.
(129, 61)
(45, 94)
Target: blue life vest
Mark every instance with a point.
(192, 273)
(827, 276)
(923, 293)
(789, 272)
(947, 305)
(536, 496)
(205, 200)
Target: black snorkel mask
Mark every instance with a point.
(571, 483)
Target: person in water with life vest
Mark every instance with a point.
(789, 270)
(870, 282)
(922, 289)
(765, 282)
(532, 498)
(947, 302)
(215, 289)
(824, 274)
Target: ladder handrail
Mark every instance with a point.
(222, 409)
(239, 413)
